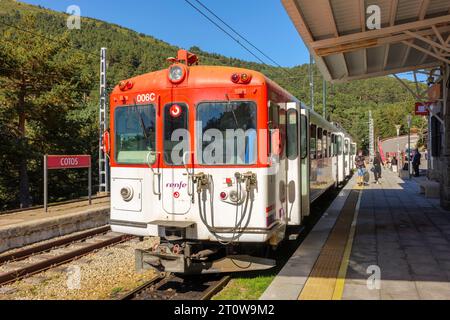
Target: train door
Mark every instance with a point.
(346, 157)
(294, 179)
(340, 157)
(282, 176)
(305, 162)
(333, 161)
(353, 155)
(176, 142)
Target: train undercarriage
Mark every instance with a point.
(205, 257)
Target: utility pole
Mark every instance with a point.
(409, 122)
(398, 127)
(371, 137)
(103, 162)
(311, 79)
(324, 111)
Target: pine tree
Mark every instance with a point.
(41, 80)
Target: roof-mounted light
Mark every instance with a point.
(177, 73)
(235, 78)
(126, 85)
(243, 78)
(246, 78)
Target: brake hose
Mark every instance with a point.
(238, 225)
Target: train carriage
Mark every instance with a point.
(216, 161)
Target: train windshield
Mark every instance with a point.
(228, 133)
(135, 134)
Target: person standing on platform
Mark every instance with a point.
(394, 164)
(377, 163)
(360, 163)
(416, 163)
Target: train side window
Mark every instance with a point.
(304, 136)
(312, 142)
(319, 143)
(282, 126)
(274, 123)
(330, 143)
(325, 144)
(346, 148)
(339, 145)
(333, 148)
(274, 112)
(292, 134)
(353, 150)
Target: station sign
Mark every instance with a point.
(68, 162)
(422, 108)
(54, 162)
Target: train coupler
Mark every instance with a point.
(179, 263)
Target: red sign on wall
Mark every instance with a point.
(422, 108)
(68, 162)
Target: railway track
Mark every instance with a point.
(172, 287)
(31, 260)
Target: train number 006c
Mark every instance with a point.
(147, 97)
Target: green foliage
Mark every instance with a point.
(57, 76)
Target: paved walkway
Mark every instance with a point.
(397, 246)
(407, 236)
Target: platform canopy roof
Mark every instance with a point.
(414, 34)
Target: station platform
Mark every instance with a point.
(378, 242)
(29, 226)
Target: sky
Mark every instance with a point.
(265, 23)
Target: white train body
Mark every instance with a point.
(203, 213)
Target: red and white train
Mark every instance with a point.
(217, 162)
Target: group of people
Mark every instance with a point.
(360, 163)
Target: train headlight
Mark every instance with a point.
(176, 74)
(234, 196)
(126, 193)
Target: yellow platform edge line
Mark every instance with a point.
(340, 281)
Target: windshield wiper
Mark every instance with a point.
(141, 122)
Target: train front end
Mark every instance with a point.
(191, 164)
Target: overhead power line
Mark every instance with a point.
(223, 30)
(237, 33)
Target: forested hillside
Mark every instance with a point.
(49, 94)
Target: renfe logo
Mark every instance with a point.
(176, 185)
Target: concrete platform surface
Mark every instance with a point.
(398, 248)
(30, 226)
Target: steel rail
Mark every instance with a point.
(162, 280)
(216, 288)
(40, 248)
(132, 294)
(59, 259)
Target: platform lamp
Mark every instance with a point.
(409, 122)
(398, 127)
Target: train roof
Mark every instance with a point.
(198, 77)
